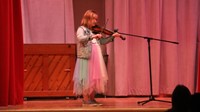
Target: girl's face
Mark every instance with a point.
(93, 21)
(89, 19)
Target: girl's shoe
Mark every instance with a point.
(95, 102)
(89, 103)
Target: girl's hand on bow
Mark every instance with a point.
(97, 36)
(116, 35)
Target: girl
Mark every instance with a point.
(90, 75)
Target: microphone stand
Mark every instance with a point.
(151, 97)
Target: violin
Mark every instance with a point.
(97, 29)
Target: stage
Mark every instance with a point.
(110, 104)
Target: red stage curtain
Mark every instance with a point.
(198, 45)
(198, 81)
(11, 53)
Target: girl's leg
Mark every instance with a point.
(92, 96)
(87, 100)
(86, 96)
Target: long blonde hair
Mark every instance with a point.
(87, 17)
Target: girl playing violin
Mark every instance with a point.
(90, 75)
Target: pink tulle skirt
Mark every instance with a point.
(90, 75)
(97, 70)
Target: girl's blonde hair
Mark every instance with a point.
(87, 17)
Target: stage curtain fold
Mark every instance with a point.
(11, 53)
(198, 42)
(198, 75)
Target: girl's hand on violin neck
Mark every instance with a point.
(116, 35)
(97, 36)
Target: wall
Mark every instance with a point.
(80, 6)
